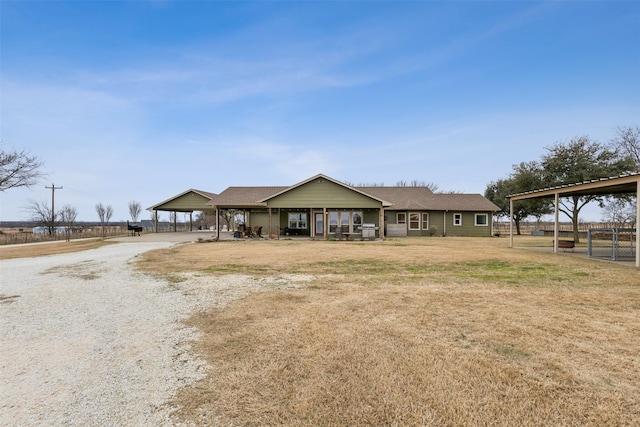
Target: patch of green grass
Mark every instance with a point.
(377, 272)
(517, 273)
(511, 351)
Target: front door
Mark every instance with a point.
(319, 224)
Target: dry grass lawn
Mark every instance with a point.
(425, 331)
(52, 248)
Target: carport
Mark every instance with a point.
(623, 184)
(188, 201)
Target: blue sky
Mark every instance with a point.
(142, 100)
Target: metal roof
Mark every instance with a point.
(622, 184)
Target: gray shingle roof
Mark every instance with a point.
(244, 196)
(402, 198)
(421, 198)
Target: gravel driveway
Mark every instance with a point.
(86, 340)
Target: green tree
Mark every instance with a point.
(581, 159)
(524, 177)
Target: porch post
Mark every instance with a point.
(270, 223)
(217, 223)
(191, 221)
(556, 226)
(325, 223)
(444, 223)
(381, 226)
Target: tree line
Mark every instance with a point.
(577, 160)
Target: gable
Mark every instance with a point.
(189, 201)
(321, 192)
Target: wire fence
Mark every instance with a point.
(616, 244)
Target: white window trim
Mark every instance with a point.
(454, 219)
(424, 215)
(300, 219)
(419, 219)
(486, 224)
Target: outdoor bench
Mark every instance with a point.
(566, 244)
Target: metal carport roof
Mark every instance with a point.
(623, 184)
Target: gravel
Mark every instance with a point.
(87, 340)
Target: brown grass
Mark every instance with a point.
(425, 331)
(415, 332)
(40, 249)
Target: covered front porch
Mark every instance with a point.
(315, 223)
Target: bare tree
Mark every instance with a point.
(134, 210)
(620, 212)
(104, 213)
(417, 183)
(42, 215)
(68, 215)
(229, 216)
(18, 169)
(628, 141)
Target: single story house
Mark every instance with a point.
(322, 207)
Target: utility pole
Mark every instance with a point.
(53, 210)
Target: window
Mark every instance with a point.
(457, 219)
(357, 222)
(333, 222)
(298, 220)
(344, 222)
(401, 218)
(414, 221)
(425, 220)
(482, 220)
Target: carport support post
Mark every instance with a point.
(510, 222)
(555, 223)
(638, 224)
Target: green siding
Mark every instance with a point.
(322, 193)
(260, 219)
(437, 221)
(187, 202)
(468, 227)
